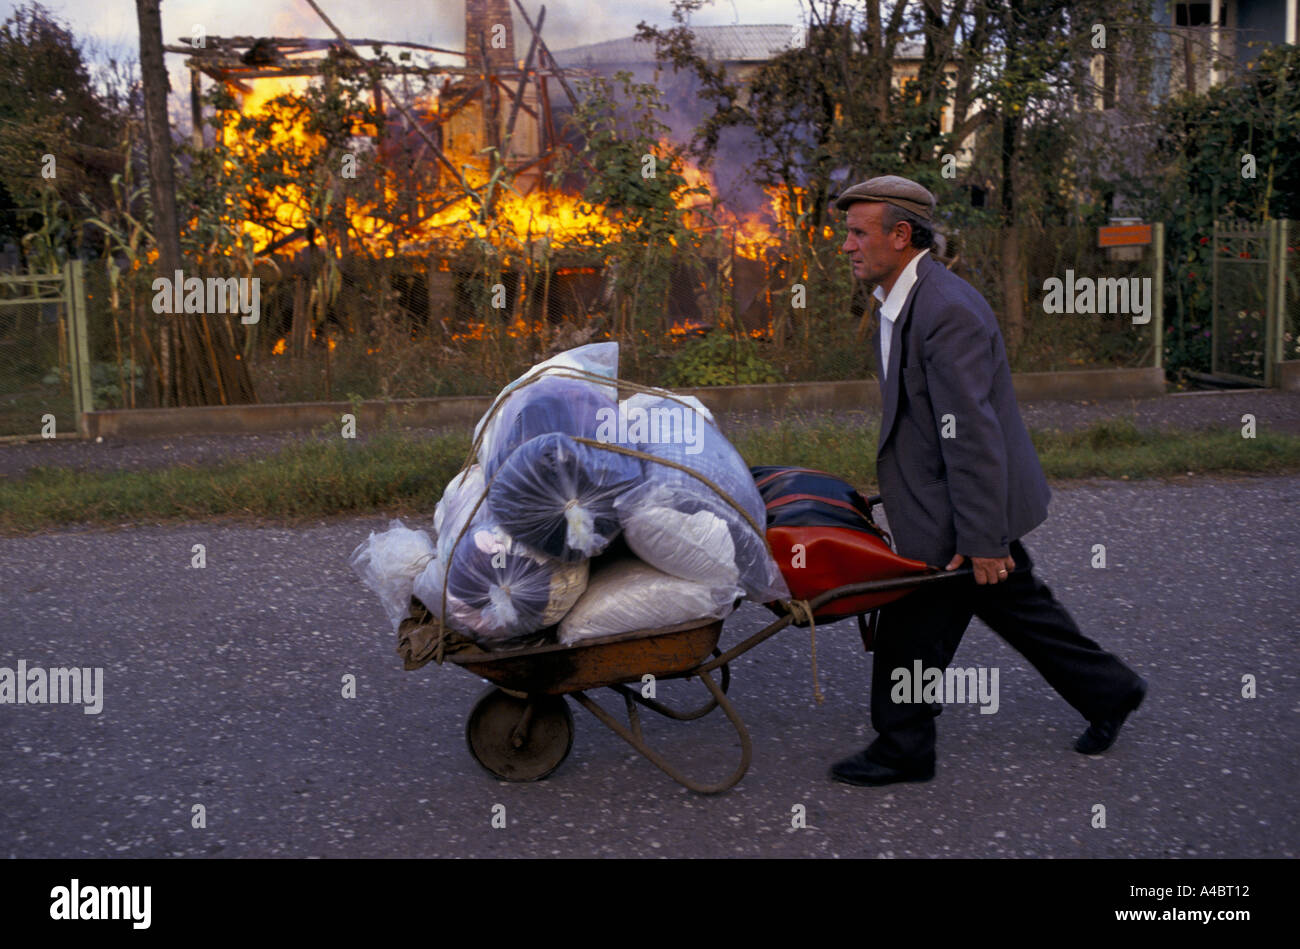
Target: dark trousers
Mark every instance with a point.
(928, 625)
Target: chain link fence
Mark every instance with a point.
(1057, 341)
(706, 315)
(711, 310)
(465, 324)
(40, 385)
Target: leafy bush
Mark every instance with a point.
(106, 385)
(719, 359)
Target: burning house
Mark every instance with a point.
(459, 229)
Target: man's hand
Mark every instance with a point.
(986, 569)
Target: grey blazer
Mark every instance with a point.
(982, 487)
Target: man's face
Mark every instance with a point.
(874, 254)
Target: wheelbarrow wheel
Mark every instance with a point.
(519, 739)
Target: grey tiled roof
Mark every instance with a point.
(723, 43)
(729, 44)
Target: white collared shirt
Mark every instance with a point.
(892, 305)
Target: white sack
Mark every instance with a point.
(630, 595)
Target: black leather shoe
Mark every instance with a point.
(865, 772)
(1102, 734)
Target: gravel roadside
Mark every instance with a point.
(1273, 410)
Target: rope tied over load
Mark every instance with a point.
(437, 629)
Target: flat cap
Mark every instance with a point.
(891, 189)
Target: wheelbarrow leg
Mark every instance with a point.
(632, 695)
(634, 738)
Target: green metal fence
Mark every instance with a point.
(1254, 325)
(1288, 292)
(44, 353)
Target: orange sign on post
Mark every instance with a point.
(1123, 235)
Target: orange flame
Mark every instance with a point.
(518, 220)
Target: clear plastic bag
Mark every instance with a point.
(389, 562)
(549, 406)
(670, 508)
(498, 592)
(656, 408)
(557, 496)
(458, 500)
(600, 359)
(558, 402)
(630, 595)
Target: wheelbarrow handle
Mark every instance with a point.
(885, 586)
(817, 602)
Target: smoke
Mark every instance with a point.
(733, 158)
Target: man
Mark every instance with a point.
(960, 481)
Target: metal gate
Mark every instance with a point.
(1248, 293)
(44, 356)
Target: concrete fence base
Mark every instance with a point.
(1287, 375)
(463, 411)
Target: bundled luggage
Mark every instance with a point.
(565, 470)
(558, 495)
(823, 536)
(675, 521)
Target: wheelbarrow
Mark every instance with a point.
(521, 728)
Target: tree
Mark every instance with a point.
(636, 177)
(1030, 84)
(1015, 73)
(58, 135)
(819, 109)
(815, 118)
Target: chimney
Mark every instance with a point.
(492, 20)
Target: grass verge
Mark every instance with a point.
(400, 474)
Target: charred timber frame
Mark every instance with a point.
(224, 59)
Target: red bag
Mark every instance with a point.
(822, 535)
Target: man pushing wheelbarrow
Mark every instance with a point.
(574, 554)
(960, 481)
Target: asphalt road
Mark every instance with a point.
(223, 688)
